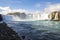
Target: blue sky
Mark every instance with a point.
(31, 5)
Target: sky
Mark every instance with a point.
(29, 5)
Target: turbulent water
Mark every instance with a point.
(37, 30)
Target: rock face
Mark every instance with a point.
(7, 33)
(1, 17)
(54, 16)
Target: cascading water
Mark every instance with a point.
(31, 17)
(7, 18)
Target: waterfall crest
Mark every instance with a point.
(16, 16)
(30, 17)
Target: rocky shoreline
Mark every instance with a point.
(7, 33)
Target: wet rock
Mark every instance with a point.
(7, 33)
(1, 19)
(23, 37)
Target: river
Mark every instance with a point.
(34, 29)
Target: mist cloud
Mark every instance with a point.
(52, 7)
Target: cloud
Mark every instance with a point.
(48, 7)
(6, 10)
(52, 7)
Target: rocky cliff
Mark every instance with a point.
(7, 33)
(54, 17)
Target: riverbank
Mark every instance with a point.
(6, 33)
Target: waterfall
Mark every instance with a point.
(29, 17)
(7, 18)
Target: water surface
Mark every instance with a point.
(34, 30)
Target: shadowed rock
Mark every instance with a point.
(7, 33)
(53, 15)
(1, 17)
